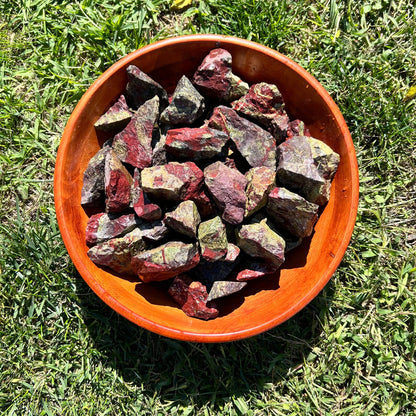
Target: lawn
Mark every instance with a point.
(351, 351)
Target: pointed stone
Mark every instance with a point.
(133, 145)
(115, 118)
(221, 289)
(184, 219)
(212, 239)
(186, 106)
(159, 151)
(291, 212)
(233, 252)
(255, 144)
(227, 187)
(253, 270)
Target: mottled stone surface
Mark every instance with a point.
(255, 144)
(117, 182)
(227, 187)
(260, 181)
(159, 151)
(103, 226)
(117, 252)
(297, 128)
(259, 240)
(204, 204)
(184, 219)
(165, 261)
(233, 252)
(291, 212)
(212, 239)
(214, 77)
(195, 143)
(254, 270)
(186, 106)
(116, 117)
(141, 88)
(223, 288)
(173, 181)
(154, 231)
(92, 194)
(142, 206)
(304, 163)
(133, 145)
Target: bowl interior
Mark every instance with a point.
(265, 302)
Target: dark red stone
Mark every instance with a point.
(297, 128)
(204, 205)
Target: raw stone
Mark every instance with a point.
(212, 239)
(291, 212)
(116, 117)
(204, 205)
(187, 104)
(214, 77)
(221, 289)
(297, 128)
(256, 145)
(165, 261)
(253, 270)
(227, 187)
(184, 219)
(154, 231)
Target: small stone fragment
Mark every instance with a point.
(118, 182)
(227, 187)
(223, 288)
(117, 252)
(153, 231)
(116, 117)
(195, 143)
(165, 261)
(133, 145)
(259, 240)
(212, 239)
(255, 144)
(173, 181)
(297, 128)
(233, 252)
(184, 219)
(291, 212)
(186, 106)
(103, 226)
(142, 206)
(254, 270)
(260, 181)
(159, 151)
(214, 77)
(141, 88)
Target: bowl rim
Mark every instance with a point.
(141, 320)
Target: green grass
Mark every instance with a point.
(350, 352)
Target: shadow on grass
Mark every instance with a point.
(194, 373)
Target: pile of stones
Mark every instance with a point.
(209, 187)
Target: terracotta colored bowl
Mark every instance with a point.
(265, 302)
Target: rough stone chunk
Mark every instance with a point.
(92, 194)
(140, 88)
(173, 181)
(153, 231)
(297, 128)
(103, 226)
(142, 206)
(160, 156)
(256, 145)
(165, 261)
(260, 181)
(305, 166)
(133, 145)
(254, 270)
(212, 239)
(233, 252)
(195, 143)
(184, 219)
(204, 205)
(117, 182)
(227, 187)
(259, 240)
(214, 77)
(187, 104)
(223, 288)
(291, 212)
(117, 252)
(192, 298)
(116, 117)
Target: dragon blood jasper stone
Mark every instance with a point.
(297, 128)
(291, 212)
(260, 181)
(184, 219)
(133, 145)
(212, 237)
(117, 182)
(103, 226)
(256, 145)
(222, 288)
(154, 231)
(165, 261)
(259, 240)
(186, 106)
(173, 181)
(214, 77)
(204, 205)
(141, 88)
(117, 252)
(254, 269)
(116, 117)
(195, 143)
(227, 187)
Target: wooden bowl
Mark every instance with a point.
(265, 302)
